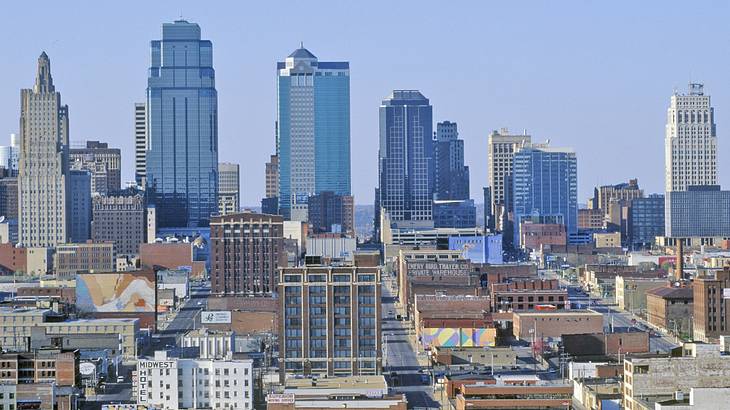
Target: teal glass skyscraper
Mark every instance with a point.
(182, 109)
(313, 130)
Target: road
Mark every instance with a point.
(401, 364)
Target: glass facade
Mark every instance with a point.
(646, 220)
(545, 185)
(454, 214)
(313, 130)
(451, 179)
(182, 109)
(701, 211)
(406, 159)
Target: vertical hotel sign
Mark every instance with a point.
(144, 371)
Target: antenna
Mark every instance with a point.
(301, 44)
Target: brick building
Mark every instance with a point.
(121, 218)
(670, 308)
(711, 313)
(331, 319)
(554, 324)
(590, 219)
(42, 366)
(246, 251)
(537, 235)
(169, 255)
(73, 258)
(527, 294)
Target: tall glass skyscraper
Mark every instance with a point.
(313, 130)
(182, 109)
(406, 160)
(545, 187)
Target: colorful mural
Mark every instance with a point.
(458, 337)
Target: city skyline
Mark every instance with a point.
(535, 81)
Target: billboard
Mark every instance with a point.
(123, 292)
(215, 316)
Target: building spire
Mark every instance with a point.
(43, 79)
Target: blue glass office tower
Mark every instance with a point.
(451, 175)
(545, 187)
(406, 160)
(313, 130)
(182, 109)
(646, 220)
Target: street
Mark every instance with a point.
(401, 365)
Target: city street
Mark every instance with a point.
(401, 365)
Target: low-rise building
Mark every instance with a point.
(631, 293)
(73, 258)
(517, 391)
(170, 383)
(659, 378)
(607, 240)
(671, 308)
(599, 344)
(492, 357)
(212, 344)
(528, 294)
(554, 324)
(360, 392)
(176, 280)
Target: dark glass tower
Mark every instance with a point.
(406, 160)
(182, 109)
(451, 175)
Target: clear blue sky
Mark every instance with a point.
(595, 76)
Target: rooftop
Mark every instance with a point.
(672, 292)
(340, 383)
(302, 52)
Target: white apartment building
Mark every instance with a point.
(691, 141)
(171, 383)
(501, 148)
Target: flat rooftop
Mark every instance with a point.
(348, 382)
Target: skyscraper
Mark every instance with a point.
(501, 148)
(104, 163)
(313, 130)
(182, 120)
(120, 218)
(79, 214)
(406, 160)
(229, 182)
(9, 156)
(545, 185)
(451, 175)
(43, 180)
(691, 141)
(140, 143)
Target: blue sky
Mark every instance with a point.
(594, 76)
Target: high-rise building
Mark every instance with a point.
(9, 198)
(182, 126)
(623, 192)
(313, 130)
(488, 217)
(331, 319)
(451, 180)
(80, 212)
(120, 218)
(140, 143)
(43, 181)
(501, 148)
(247, 249)
(406, 160)
(700, 211)
(454, 213)
(545, 185)
(229, 183)
(272, 177)
(332, 213)
(104, 163)
(9, 156)
(691, 141)
(646, 220)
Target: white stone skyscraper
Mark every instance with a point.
(691, 141)
(43, 169)
(501, 148)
